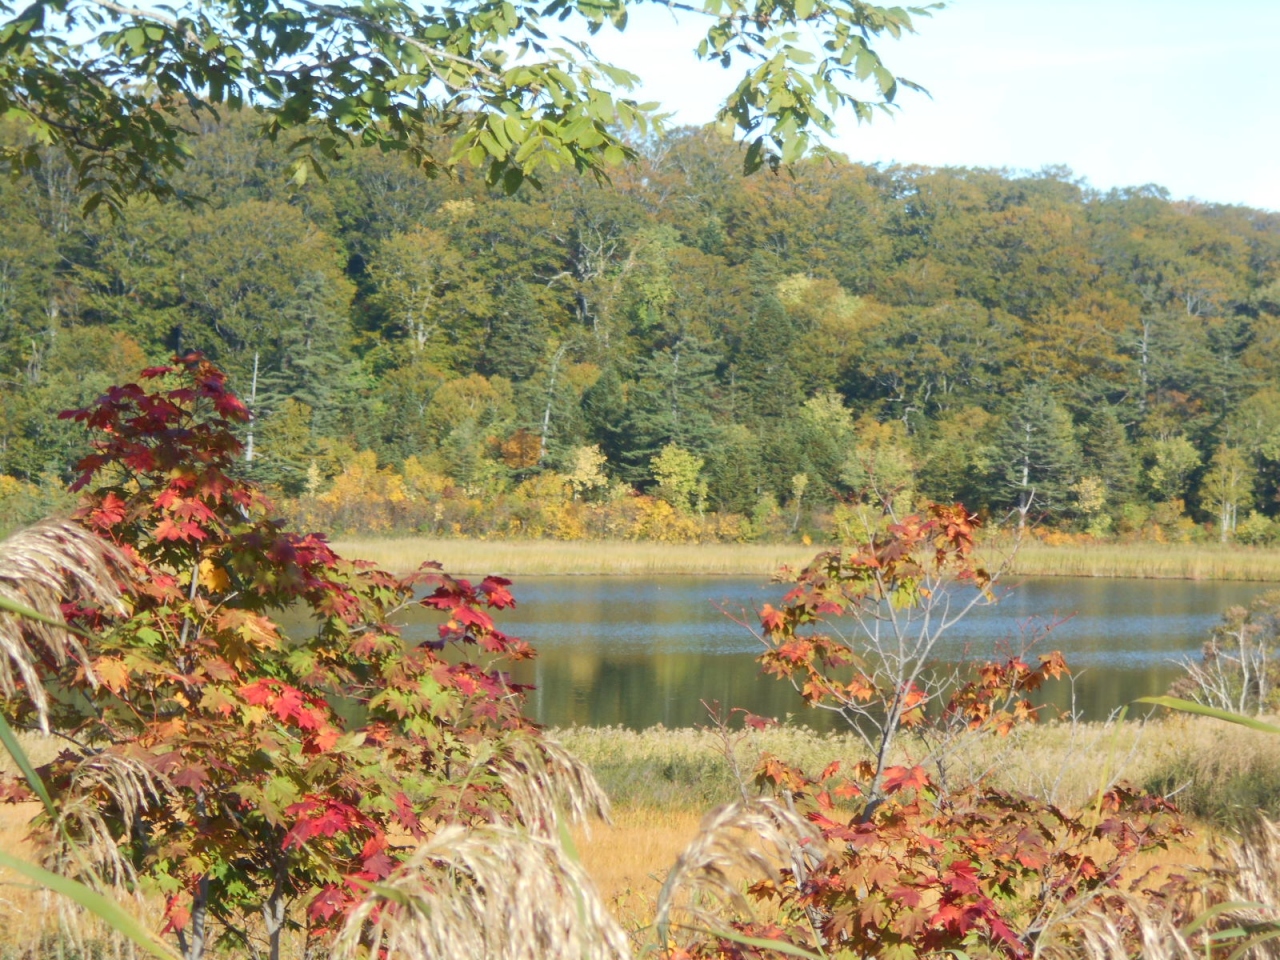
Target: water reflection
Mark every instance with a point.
(640, 651)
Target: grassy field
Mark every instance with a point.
(663, 781)
(528, 558)
(1149, 561)
(556, 558)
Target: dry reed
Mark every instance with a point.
(1155, 561)
(528, 558)
(737, 843)
(494, 893)
(605, 558)
(1059, 762)
(40, 567)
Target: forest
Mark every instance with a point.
(681, 354)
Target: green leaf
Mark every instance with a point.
(135, 39)
(1190, 706)
(105, 909)
(804, 9)
(10, 741)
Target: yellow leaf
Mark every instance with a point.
(113, 673)
(213, 577)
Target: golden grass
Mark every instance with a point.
(629, 859)
(25, 913)
(530, 558)
(604, 558)
(1148, 561)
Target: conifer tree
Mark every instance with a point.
(1036, 454)
(1109, 455)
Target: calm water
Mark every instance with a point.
(641, 651)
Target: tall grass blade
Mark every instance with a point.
(1190, 706)
(105, 909)
(1231, 906)
(11, 606)
(10, 741)
(760, 943)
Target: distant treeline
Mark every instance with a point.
(782, 349)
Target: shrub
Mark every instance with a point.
(901, 860)
(260, 780)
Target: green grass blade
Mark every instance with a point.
(24, 611)
(1109, 766)
(1190, 706)
(103, 908)
(760, 943)
(10, 741)
(1253, 941)
(1216, 911)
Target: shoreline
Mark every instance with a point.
(557, 558)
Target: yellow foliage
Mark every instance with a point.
(421, 483)
(658, 520)
(549, 487)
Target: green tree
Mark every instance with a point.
(516, 338)
(431, 296)
(679, 476)
(113, 87)
(1170, 463)
(1109, 455)
(1036, 454)
(674, 402)
(1227, 485)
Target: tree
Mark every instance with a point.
(1170, 464)
(1109, 455)
(903, 857)
(257, 781)
(1226, 487)
(1036, 453)
(679, 476)
(112, 86)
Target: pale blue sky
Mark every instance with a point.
(1125, 92)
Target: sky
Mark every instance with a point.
(1185, 95)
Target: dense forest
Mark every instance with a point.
(684, 354)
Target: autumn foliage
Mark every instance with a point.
(917, 862)
(260, 776)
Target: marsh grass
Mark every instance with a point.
(604, 558)
(1217, 772)
(535, 558)
(1156, 561)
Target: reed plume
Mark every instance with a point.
(492, 893)
(737, 843)
(40, 567)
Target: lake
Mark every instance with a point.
(638, 651)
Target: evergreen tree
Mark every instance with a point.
(733, 471)
(1109, 456)
(763, 368)
(1036, 454)
(674, 401)
(517, 335)
(604, 410)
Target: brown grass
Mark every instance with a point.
(25, 913)
(603, 558)
(1156, 561)
(529, 558)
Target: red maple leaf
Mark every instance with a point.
(495, 588)
(900, 778)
